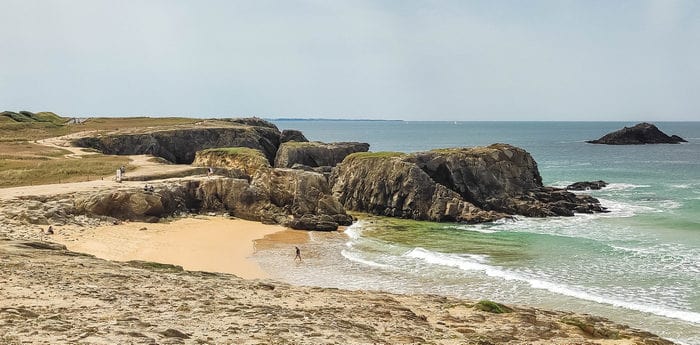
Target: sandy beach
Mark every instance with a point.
(202, 243)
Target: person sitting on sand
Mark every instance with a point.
(298, 256)
(49, 231)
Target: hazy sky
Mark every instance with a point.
(441, 60)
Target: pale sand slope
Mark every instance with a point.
(52, 296)
(212, 244)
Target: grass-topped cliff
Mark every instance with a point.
(23, 161)
(243, 158)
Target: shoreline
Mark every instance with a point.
(201, 243)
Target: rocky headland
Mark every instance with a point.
(641, 133)
(461, 185)
(470, 185)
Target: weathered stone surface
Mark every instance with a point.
(244, 159)
(292, 135)
(180, 145)
(386, 184)
(587, 185)
(316, 154)
(275, 196)
(642, 133)
(462, 184)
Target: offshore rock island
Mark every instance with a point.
(49, 294)
(639, 134)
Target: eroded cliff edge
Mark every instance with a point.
(470, 185)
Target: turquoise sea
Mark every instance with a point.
(638, 264)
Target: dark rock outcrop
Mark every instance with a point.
(316, 154)
(386, 184)
(292, 135)
(462, 184)
(642, 133)
(180, 145)
(587, 185)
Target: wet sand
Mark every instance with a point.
(212, 244)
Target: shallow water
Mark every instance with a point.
(639, 264)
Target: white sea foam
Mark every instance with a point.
(469, 264)
(354, 231)
(476, 228)
(624, 186)
(621, 209)
(356, 258)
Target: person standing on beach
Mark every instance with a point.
(298, 256)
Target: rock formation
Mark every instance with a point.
(180, 145)
(292, 135)
(462, 184)
(587, 185)
(316, 154)
(246, 160)
(642, 133)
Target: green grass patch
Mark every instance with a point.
(373, 155)
(492, 307)
(40, 170)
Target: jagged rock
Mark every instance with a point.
(292, 135)
(180, 145)
(587, 185)
(642, 133)
(243, 159)
(461, 184)
(315, 154)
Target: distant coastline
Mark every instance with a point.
(324, 119)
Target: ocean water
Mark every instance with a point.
(638, 264)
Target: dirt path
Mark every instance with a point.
(144, 168)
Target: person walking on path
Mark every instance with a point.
(298, 256)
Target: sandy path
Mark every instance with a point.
(212, 244)
(143, 166)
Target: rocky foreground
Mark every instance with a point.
(49, 295)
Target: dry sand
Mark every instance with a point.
(212, 244)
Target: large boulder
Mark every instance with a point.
(316, 154)
(461, 184)
(642, 133)
(292, 135)
(247, 160)
(131, 204)
(179, 145)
